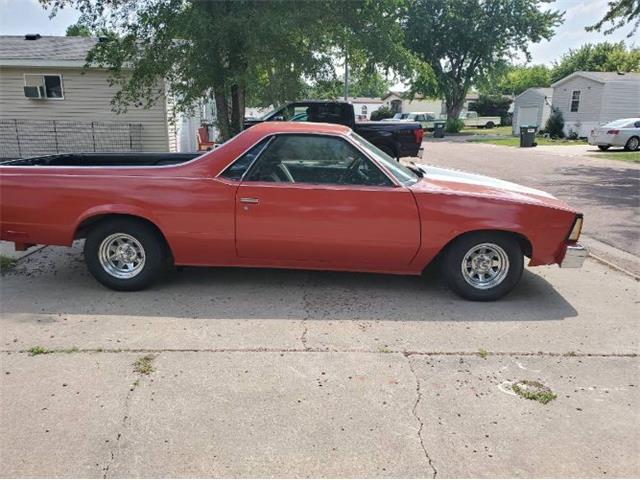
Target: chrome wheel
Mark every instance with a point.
(121, 255)
(485, 266)
(632, 144)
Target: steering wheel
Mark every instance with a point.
(283, 168)
(351, 171)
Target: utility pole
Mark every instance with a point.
(346, 73)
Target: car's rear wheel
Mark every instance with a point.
(483, 266)
(632, 144)
(604, 147)
(124, 254)
(490, 125)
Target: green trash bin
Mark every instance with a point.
(528, 135)
(438, 129)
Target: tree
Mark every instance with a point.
(381, 113)
(620, 13)
(463, 41)
(601, 57)
(78, 30)
(492, 105)
(555, 124)
(517, 79)
(234, 50)
(361, 84)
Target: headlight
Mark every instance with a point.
(574, 235)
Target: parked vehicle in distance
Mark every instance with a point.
(396, 139)
(471, 119)
(426, 119)
(286, 195)
(619, 133)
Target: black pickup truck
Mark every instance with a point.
(397, 139)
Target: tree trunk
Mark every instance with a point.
(237, 108)
(454, 105)
(222, 114)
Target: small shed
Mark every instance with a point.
(590, 99)
(532, 107)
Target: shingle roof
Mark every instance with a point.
(54, 49)
(612, 76)
(602, 77)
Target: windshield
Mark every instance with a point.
(401, 173)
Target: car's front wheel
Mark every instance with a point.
(483, 266)
(124, 254)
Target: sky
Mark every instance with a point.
(18, 17)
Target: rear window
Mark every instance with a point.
(621, 123)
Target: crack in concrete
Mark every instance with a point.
(307, 349)
(415, 413)
(306, 307)
(124, 424)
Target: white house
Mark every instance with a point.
(532, 107)
(400, 102)
(365, 106)
(50, 104)
(589, 99)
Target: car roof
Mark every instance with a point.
(266, 128)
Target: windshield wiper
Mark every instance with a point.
(417, 170)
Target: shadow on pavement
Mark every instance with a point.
(603, 186)
(63, 286)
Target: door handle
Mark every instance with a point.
(249, 200)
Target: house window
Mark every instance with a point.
(43, 86)
(364, 110)
(575, 100)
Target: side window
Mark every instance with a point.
(236, 170)
(575, 100)
(637, 124)
(420, 118)
(315, 159)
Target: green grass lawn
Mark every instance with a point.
(633, 157)
(503, 130)
(515, 141)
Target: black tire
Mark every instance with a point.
(604, 147)
(490, 125)
(154, 253)
(632, 144)
(505, 246)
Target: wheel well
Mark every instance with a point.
(88, 223)
(525, 244)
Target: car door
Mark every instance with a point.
(319, 199)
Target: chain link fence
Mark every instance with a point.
(31, 138)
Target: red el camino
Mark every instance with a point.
(286, 195)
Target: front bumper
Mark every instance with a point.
(574, 256)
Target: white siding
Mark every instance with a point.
(87, 98)
(418, 105)
(620, 100)
(531, 98)
(588, 114)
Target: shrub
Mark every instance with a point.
(453, 125)
(382, 113)
(555, 124)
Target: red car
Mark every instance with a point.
(286, 195)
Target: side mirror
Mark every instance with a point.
(278, 118)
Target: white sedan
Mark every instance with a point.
(619, 133)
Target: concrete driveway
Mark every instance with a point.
(606, 191)
(222, 372)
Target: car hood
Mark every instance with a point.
(458, 182)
